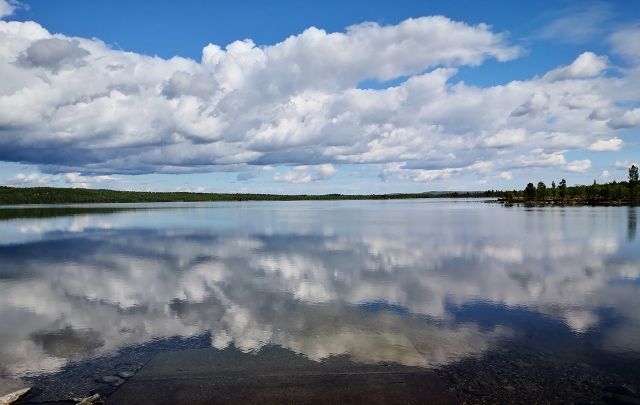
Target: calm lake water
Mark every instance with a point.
(418, 282)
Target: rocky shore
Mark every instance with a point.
(102, 375)
(515, 375)
(512, 374)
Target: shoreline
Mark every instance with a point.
(566, 203)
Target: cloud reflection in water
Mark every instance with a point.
(376, 281)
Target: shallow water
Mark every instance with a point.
(424, 283)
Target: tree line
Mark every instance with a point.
(624, 192)
(55, 195)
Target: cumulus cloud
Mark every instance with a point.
(396, 171)
(624, 165)
(611, 145)
(605, 113)
(505, 176)
(539, 159)
(626, 42)
(535, 105)
(506, 138)
(630, 119)
(183, 84)
(305, 174)
(7, 7)
(578, 166)
(325, 172)
(31, 180)
(587, 65)
(75, 180)
(79, 181)
(53, 53)
(74, 105)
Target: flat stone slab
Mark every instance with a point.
(7, 386)
(276, 376)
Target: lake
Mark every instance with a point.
(499, 301)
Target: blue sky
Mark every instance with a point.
(317, 97)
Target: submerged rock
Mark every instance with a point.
(108, 379)
(126, 374)
(14, 397)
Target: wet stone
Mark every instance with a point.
(108, 379)
(126, 374)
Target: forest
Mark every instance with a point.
(611, 193)
(54, 195)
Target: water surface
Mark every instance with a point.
(417, 282)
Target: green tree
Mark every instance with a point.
(554, 191)
(593, 191)
(633, 182)
(542, 191)
(530, 192)
(562, 189)
(508, 196)
(606, 192)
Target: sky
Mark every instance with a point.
(350, 97)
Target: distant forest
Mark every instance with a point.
(54, 195)
(624, 192)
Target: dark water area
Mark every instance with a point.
(506, 304)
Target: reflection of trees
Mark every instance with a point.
(631, 223)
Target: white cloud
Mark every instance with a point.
(71, 179)
(611, 145)
(79, 181)
(578, 166)
(7, 7)
(305, 174)
(539, 159)
(99, 111)
(626, 42)
(537, 104)
(604, 175)
(629, 119)
(31, 180)
(325, 172)
(396, 171)
(505, 176)
(587, 65)
(506, 138)
(625, 165)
